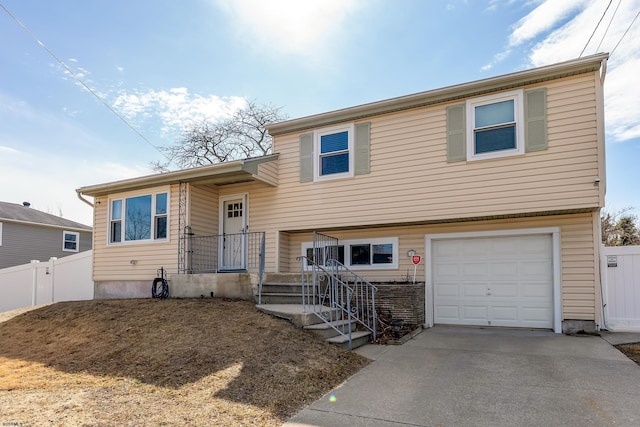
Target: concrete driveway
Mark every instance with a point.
(480, 377)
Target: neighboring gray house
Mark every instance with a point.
(28, 234)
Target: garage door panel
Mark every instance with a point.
(536, 270)
(474, 271)
(504, 246)
(533, 245)
(494, 281)
(446, 271)
(504, 313)
(536, 314)
(478, 247)
(506, 270)
(537, 290)
(447, 290)
(448, 312)
(447, 249)
(474, 313)
(474, 290)
(507, 290)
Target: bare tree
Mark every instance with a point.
(241, 136)
(620, 228)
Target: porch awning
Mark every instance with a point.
(263, 169)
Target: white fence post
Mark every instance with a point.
(34, 281)
(52, 272)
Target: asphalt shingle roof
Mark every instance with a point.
(15, 212)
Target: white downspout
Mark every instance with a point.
(79, 194)
(603, 73)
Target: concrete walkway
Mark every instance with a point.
(481, 377)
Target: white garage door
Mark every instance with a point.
(494, 281)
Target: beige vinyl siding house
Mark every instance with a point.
(497, 183)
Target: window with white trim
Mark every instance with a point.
(333, 152)
(70, 241)
(138, 218)
(359, 254)
(0, 234)
(495, 126)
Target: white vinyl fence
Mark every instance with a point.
(64, 279)
(621, 284)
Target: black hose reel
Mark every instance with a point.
(160, 287)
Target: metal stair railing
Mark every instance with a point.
(348, 296)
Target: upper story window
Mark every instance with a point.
(138, 218)
(70, 241)
(334, 148)
(337, 152)
(495, 126)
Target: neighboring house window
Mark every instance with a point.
(334, 148)
(0, 234)
(360, 254)
(138, 218)
(70, 241)
(495, 126)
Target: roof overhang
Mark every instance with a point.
(233, 172)
(450, 93)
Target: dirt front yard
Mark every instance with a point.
(632, 351)
(161, 362)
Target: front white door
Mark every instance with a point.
(234, 237)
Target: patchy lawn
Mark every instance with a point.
(161, 362)
(632, 351)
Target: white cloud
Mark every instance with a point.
(559, 30)
(546, 16)
(622, 108)
(295, 27)
(543, 18)
(176, 107)
(8, 150)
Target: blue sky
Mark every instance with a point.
(162, 64)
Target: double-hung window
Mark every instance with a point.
(70, 241)
(495, 126)
(138, 218)
(334, 148)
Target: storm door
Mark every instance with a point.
(234, 237)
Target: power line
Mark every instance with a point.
(607, 29)
(595, 29)
(79, 80)
(625, 33)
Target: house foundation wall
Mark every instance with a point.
(122, 289)
(227, 285)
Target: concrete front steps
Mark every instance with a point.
(307, 319)
(282, 288)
